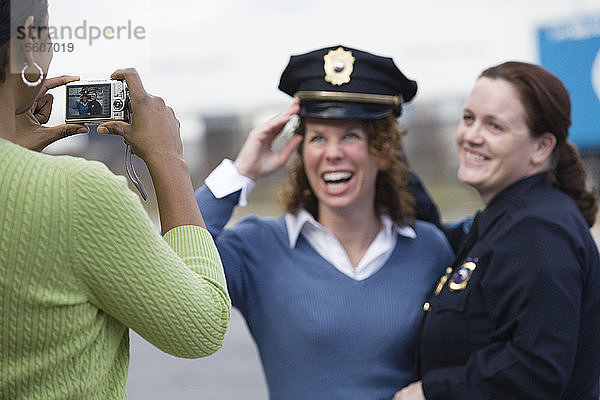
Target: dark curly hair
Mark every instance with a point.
(548, 109)
(13, 14)
(392, 196)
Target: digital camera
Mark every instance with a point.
(97, 101)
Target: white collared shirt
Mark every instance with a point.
(329, 247)
(225, 180)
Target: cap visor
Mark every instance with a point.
(346, 110)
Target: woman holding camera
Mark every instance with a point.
(80, 261)
(516, 317)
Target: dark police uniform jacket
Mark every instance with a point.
(519, 317)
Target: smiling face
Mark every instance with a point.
(341, 171)
(495, 146)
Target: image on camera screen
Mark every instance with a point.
(88, 101)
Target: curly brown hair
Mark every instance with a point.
(392, 196)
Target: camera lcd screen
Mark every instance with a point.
(88, 101)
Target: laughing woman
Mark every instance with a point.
(332, 290)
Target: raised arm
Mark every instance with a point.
(154, 136)
(256, 158)
(172, 290)
(229, 184)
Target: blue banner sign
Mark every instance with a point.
(571, 51)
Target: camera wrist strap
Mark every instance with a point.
(131, 173)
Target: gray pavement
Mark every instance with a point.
(234, 372)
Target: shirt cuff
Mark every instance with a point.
(225, 179)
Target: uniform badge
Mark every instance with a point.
(338, 66)
(461, 276)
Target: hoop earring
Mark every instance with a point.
(29, 83)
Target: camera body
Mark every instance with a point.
(95, 102)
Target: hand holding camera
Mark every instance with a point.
(153, 131)
(30, 130)
(99, 101)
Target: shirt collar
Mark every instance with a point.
(509, 197)
(295, 224)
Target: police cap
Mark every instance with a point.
(345, 83)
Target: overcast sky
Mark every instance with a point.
(227, 55)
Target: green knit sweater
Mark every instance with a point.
(80, 262)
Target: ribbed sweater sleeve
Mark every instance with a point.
(80, 263)
(170, 290)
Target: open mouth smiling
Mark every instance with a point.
(337, 179)
(475, 156)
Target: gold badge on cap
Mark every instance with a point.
(461, 276)
(338, 66)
